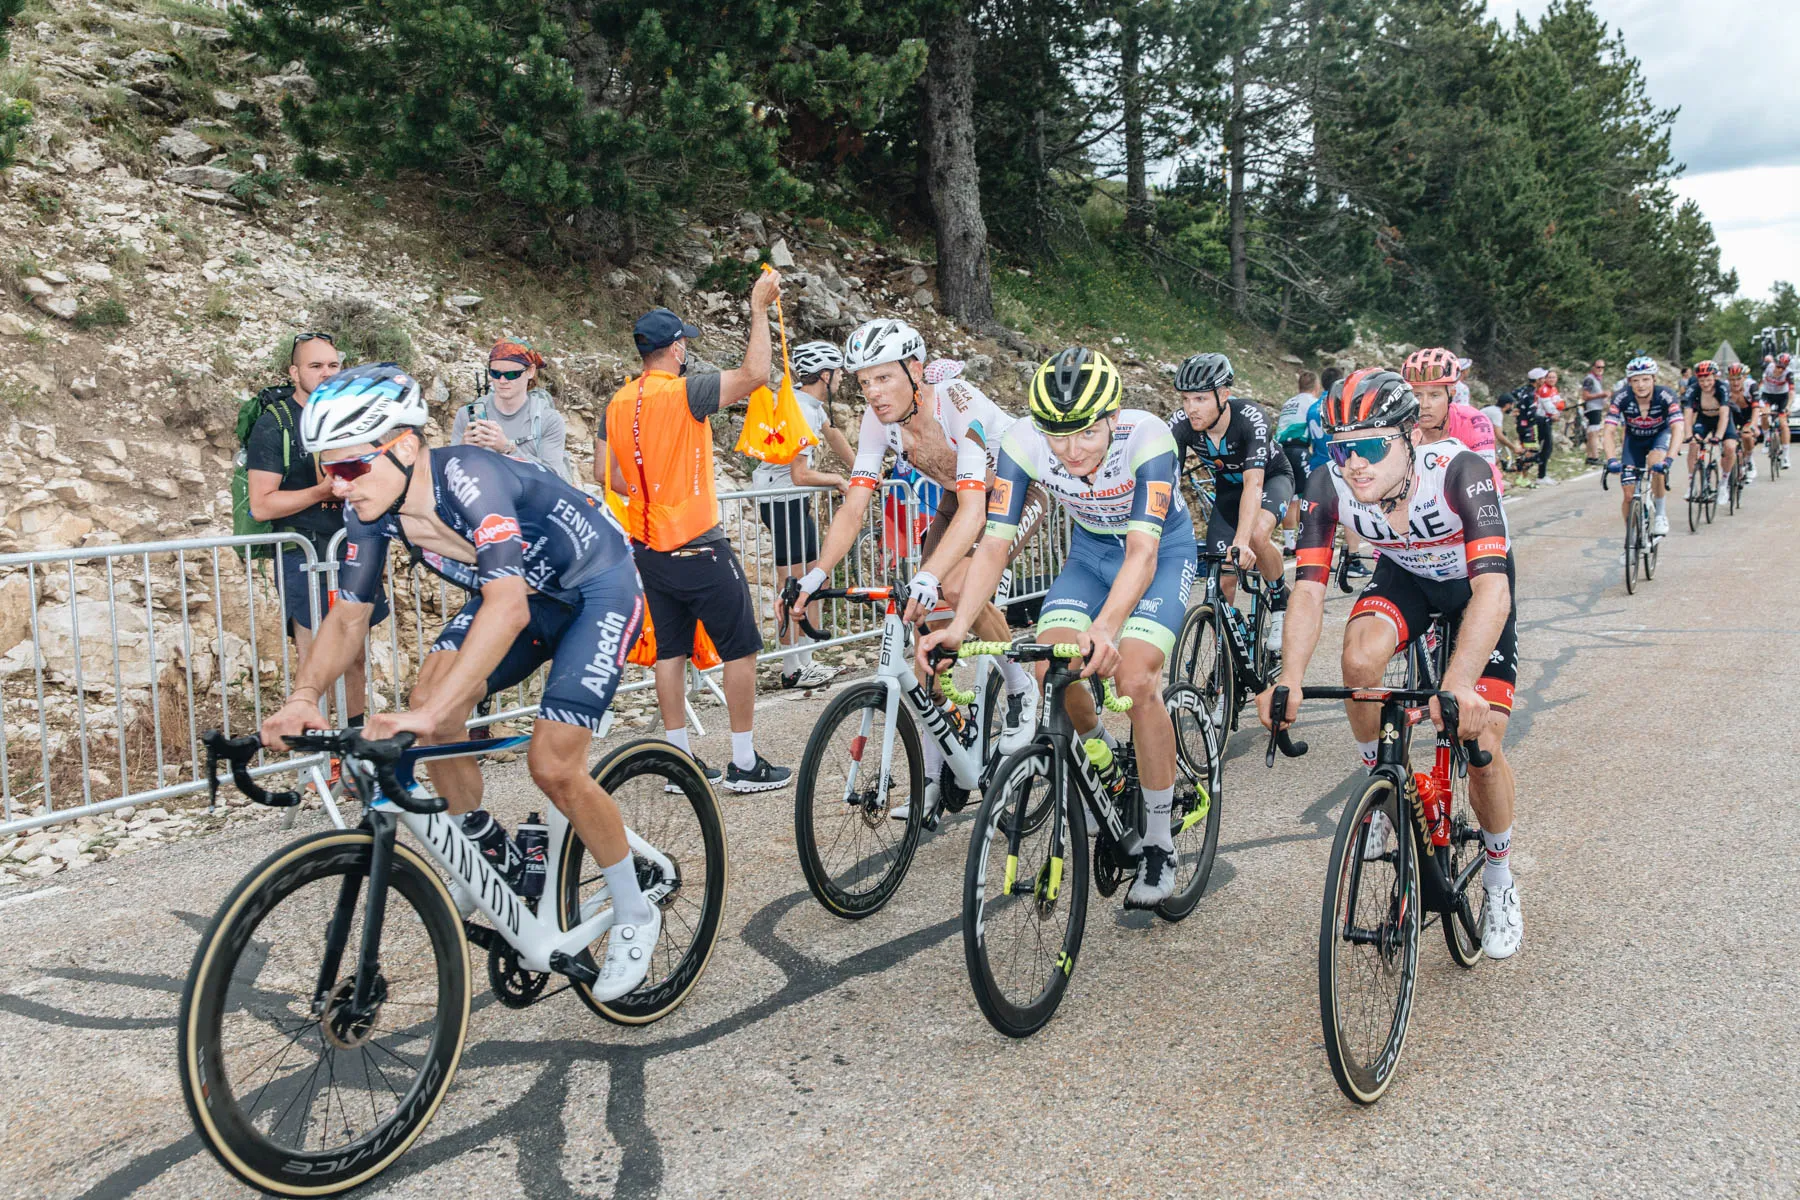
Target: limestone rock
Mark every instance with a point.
(13, 325)
(203, 177)
(84, 158)
(226, 101)
(58, 306)
(780, 257)
(752, 225)
(223, 200)
(184, 146)
(93, 272)
(84, 388)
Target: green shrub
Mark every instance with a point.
(108, 313)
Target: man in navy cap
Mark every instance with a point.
(657, 449)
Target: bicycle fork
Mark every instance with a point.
(363, 999)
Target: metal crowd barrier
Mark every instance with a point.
(156, 641)
(134, 650)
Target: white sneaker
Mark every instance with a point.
(1155, 880)
(1020, 724)
(1549, 481)
(1659, 526)
(1750, 472)
(902, 811)
(628, 951)
(1502, 925)
(1375, 842)
(1276, 621)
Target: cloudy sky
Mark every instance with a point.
(1736, 132)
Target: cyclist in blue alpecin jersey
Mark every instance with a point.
(552, 580)
(1125, 581)
(1650, 415)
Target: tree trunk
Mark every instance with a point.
(596, 230)
(951, 175)
(1675, 345)
(1234, 153)
(1137, 191)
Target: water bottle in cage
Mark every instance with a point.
(534, 847)
(490, 838)
(1106, 766)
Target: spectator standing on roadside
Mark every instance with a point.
(514, 416)
(1594, 398)
(287, 492)
(657, 444)
(818, 366)
(1547, 402)
(1292, 436)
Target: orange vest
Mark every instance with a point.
(666, 457)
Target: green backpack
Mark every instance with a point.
(249, 412)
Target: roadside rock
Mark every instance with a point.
(780, 257)
(184, 147)
(203, 177)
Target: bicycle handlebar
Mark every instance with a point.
(1447, 708)
(1026, 652)
(382, 754)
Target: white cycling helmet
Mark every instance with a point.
(882, 340)
(1643, 364)
(812, 359)
(361, 405)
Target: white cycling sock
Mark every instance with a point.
(1497, 872)
(1158, 803)
(628, 903)
(1101, 732)
(1662, 503)
(678, 738)
(806, 652)
(793, 660)
(1368, 754)
(1017, 678)
(743, 750)
(934, 758)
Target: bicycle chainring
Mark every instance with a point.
(1109, 871)
(952, 796)
(513, 985)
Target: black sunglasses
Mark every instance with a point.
(509, 376)
(301, 339)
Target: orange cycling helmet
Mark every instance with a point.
(1705, 367)
(1433, 365)
(1373, 398)
(1736, 371)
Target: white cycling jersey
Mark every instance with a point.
(1109, 502)
(973, 426)
(1775, 379)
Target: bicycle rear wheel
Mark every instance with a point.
(1461, 863)
(1368, 946)
(1696, 491)
(301, 1099)
(687, 828)
(852, 851)
(1195, 816)
(1023, 915)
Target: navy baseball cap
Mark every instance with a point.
(658, 328)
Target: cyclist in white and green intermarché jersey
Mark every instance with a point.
(1124, 584)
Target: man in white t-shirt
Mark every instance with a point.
(818, 366)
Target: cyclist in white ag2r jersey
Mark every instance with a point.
(950, 433)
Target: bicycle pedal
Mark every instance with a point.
(581, 968)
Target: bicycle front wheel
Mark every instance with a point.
(1634, 548)
(1461, 863)
(1202, 660)
(852, 851)
(1696, 503)
(668, 803)
(1194, 819)
(1023, 914)
(289, 1090)
(1712, 492)
(1368, 945)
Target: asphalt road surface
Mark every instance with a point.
(1645, 1041)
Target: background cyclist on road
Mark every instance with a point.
(1650, 416)
(951, 433)
(1252, 480)
(552, 581)
(1777, 386)
(1433, 512)
(1125, 582)
(1747, 410)
(1710, 416)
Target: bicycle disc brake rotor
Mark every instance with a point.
(343, 1028)
(659, 887)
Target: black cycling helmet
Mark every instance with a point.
(1375, 398)
(1205, 373)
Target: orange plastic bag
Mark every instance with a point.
(705, 655)
(775, 430)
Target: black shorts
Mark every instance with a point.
(791, 524)
(1709, 423)
(585, 643)
(1297, 455)
(703, 583)
(1777, 401)
(1221, 526)
(1407, 602)
(1594, 418)
(295, 604)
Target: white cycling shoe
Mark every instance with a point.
(1020, 724)
(1659, 525)
(1155, 880)
(902, 811)
(1502, 925)
(1375, 841)
(628, 951)
(1277, 621)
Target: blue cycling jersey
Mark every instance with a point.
(521, 518)
(1644, 418)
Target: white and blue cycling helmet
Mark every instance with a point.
(1643, 364)
(361, 405)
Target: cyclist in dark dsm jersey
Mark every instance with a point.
(553, 581)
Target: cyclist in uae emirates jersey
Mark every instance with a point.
(1777, 387)
(1709, 415)
(950, 433)
(1432, 511)
(1130, 565)
(551, 581)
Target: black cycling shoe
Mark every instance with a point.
(711, 774)
(765, 776)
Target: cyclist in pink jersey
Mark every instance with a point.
(1434, 374)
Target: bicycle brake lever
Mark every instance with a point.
(1452, 714)
(238, 752)
(1278, 736)
(1476, 755)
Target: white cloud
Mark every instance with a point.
(1734, 133)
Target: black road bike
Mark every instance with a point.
(1025, 889)
(1703, 486)
(1222, 650)
(1379, 886)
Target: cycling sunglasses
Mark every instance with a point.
(351, 469)
(509, 376)
(300, 339)
(1369, 449)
